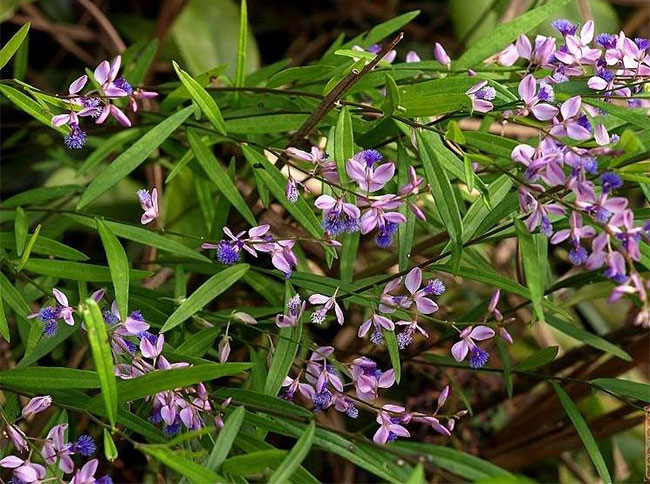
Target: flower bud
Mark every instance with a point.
(441, 55)
(36, 405)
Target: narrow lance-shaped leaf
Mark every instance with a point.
(219, 176)
(28, 248)
(405, 231)
(583, 432)
(626, 388)
(4, 327)
(133, 156)
(21, 226)
(102, 357)
(31, 107)
(297, 454)
(443, 193)
(225, 439)
(539, 358)
(531, 264)
(391, 101)
(118, 264)
(210, 289)
(10, 48)
(196, 473)
(203, 99)
(242, 45)
(110, 451)
(393, 352)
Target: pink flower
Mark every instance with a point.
(573, 123)
(378, 322)
(412, 56)
(413, 281)
(149, 204)
(57, 448)
(86, 475)
(378, 215)
(481, 96)
(18, 437)
(533, 102)
(106, 74)
(152, 350)
(291, 385)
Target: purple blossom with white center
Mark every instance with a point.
(338, 216)
(467, 344)
(379, 214)
(328, 302)
(481, 96)
(602, 208)
(57, 449)
(23, 470)
(532, 102)
(360, 169)
(389, 302)
(228, 250)
(435, 287)
(577, 50)
(389, 426)
(441, 56)
(378, 323)
(149, 203)
(539, 212)
(573, 122)
(578, 255)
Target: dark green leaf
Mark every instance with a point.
(10, 48)
(77, 271)
(225, 439)
(537, 359)
(201, 97)
(531, 264)
(51, 378)
(118, 265)
(625, 388)
(296, 455)
(194, 472)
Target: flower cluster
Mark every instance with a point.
(98, 103)
(55, 450)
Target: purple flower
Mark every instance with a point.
(328, 302)
(378, 215)
(152, 349)
(305, 389)
(86, 475)
(106, 74)
(378, 322)
(338, 216)
(389, 427)
(412, 56)
(76, 138)
(23, 470)
(481, 94)
(435, 287)
(610, 181)
(528, 91)
(282, 256)
(564, 27)
(385, 235)
(85, 445)
(291, 190)
(607, 41)
(572, 125)
(320, 159)
(149, 204)
(17, 437)
(578, 255)
(413, 281)
(227, 250)
(56, 448)
(441, 55)
(467, 343)
(49, 315)
(405, 338)
(295, 308)
(36, 405)
(540, 54)
(360, 169)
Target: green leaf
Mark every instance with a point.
(30, 106)
(137, 71)
(430, 146)
(118, 264)
(4, 326)
(10, 48)
(343, 143)
(160, 381)
(587, 338)
(459, 463)
(392, 99)
(405, 231)
(435, 104)
(144, 236)
(417, 476)
(263, 402)
(51, 378)
(110, 451)
(130, 159)
(102, 356)
(108, 145)
(584, 433)
(240, 74)
(225, 439)
(539, 358)
(76, 271)
(209, 290)
(297, 454)
(201, 97)
(180, 94)
(265, 123)
(193, 471)
(507, 33)
(21, 227)
(254, 462)
(532, 266)
(41, 194)
(219, 176)
(393, 352)
(469, 173)
(507, 366)
(44, 246)
(28, 249)
(625, 388)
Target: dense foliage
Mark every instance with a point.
(370, 268)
